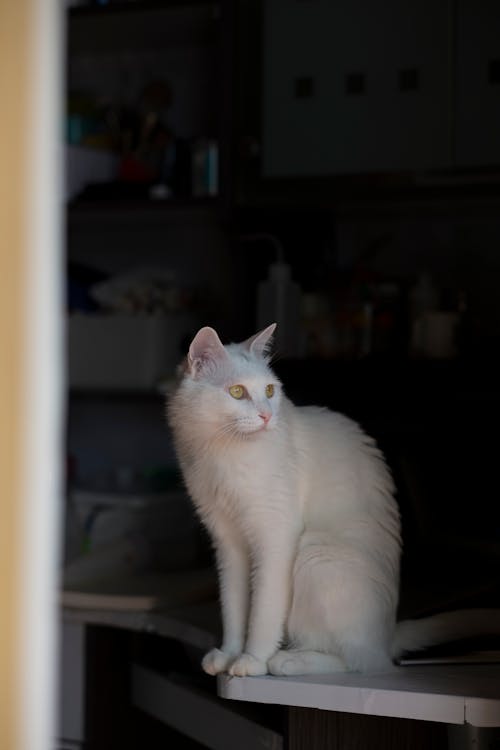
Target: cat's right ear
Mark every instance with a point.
(205, 351)
(261, 342)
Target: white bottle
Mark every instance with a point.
(424, 300)
(278, 301)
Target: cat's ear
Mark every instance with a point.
(205, 351)
(261, 342)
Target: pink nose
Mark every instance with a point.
(265, 416)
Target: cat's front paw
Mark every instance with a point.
(216, 661)
(247, 665)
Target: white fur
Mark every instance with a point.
(302, 515)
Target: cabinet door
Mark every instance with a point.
(477, 128)
(355, 86)
(72, 683)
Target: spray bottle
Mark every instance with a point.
(278, 301)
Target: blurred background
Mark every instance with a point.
(332, 166)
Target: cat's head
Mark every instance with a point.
(228, 391)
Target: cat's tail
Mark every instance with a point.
(414, 635)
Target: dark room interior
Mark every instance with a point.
(329, 165)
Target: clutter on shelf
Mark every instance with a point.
(112, 145)
(130, 330)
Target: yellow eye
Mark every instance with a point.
(269, 390)
(237, 391)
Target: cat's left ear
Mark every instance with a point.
(206, 350)
(261, 342)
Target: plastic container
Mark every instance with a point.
(157, 529)
(278, 301)
(125, 351)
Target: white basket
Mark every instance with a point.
(159, 528)
(125, 351)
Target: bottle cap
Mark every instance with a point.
(280, 271)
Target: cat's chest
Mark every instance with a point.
(238, 483)
(240, 478)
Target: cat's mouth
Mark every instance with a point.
(242, 431)
(249, 431)
(256, 430)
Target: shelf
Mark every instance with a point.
(99, 28)
(194, 625)
(134, 6)
(451, 694)
(339, 191)
(116, 394)
(173, 210)
(217, 725)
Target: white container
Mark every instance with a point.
(85, 165)
(125, 351)
(205, 168)
(154, 529)
(278, 301)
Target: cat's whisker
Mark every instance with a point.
(226, 435)
(226, 428)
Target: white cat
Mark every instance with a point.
(300, 505)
